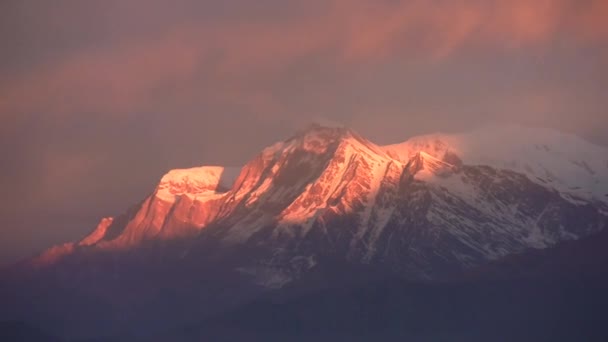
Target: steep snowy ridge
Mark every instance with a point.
(274, 179)
(292, 183)
(569, 164)
(184, 201)
(197, 181)
(356, 163)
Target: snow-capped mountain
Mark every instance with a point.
(430, 205)
(325, 201)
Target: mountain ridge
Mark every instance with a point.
(322, 205)
(292, 189)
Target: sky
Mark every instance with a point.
(98, 99)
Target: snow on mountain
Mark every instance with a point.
(355, 162)
(291, 180)
(327, 200)
(567, 163)
(196, 181)
(184, 201)
(431, 204)
(98, 233)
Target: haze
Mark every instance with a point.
(98, 99)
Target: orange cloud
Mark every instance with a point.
(112, 80)
(590, 21)
(123, 78)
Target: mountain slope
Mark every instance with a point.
(424, 207)
(564, 162)
(211, 238)
(542, 308)
(554, 294)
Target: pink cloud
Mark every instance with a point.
(591, 21)
(124, 77)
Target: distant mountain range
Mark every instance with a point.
(328, 216)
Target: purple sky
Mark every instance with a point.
(99, 98)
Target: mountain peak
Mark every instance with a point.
(195, 181)
(315, 138)
(546, 156)
(322, 131)
(319, 135)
